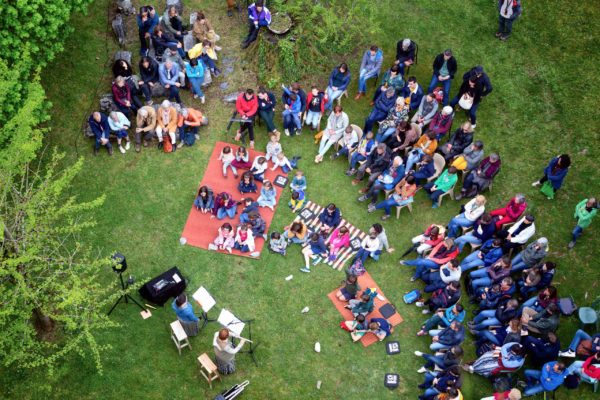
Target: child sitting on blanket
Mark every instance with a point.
(268, 195)
(257, 225)
(349, 289)
(339, 239)
(247, 184)
(204, 201)
(296, 232)
(316, 250)
(273, 148)
(297, 201)
(224, 240)
(330, 217)
(227, 157)
(278, 244)
(363, 306)
(282, 161)
(244, 240)
(241, 159)
(249, 206)
(299, 182)
(225, 206)
(357, 327)
(259, 166)
(380, 328)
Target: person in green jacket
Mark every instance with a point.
(442, 184)
(584, 213)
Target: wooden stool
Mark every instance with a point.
(179, 337)
(206, 364)
(398, 208)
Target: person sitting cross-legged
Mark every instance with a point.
(363, 306)
(380, 327)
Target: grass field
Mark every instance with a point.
(542, 105)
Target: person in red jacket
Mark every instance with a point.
(511, 212)
(246, 105)
(442, 253)
(188, 123)
(315, 106)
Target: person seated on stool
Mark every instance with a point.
(184, 310)
(225, 351)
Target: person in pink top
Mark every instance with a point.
(339, 239)
(511, 212)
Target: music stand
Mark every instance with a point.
(206, 302)
(236, 326)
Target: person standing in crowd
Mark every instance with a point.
(476, 85)
(585, 212)
(266, 110)
(258, 16)
(509, 11)
(147, 19)
(555, 172)
(225, 351)
(369, 68)
(444, 69)
(183, 309)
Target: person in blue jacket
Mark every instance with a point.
(443, 318)
(412, 93)
(549, 378)
(291, 121)
(488, 254)
(330, 218)
(388, 180)
(101, 129)
(483, 230)
(555, 172)
(194, 71)
(183, 309)
(369, 68)
(445, 338)
(380, 327)
(147, 19)
(338, 83)
(383, 105)
(316, 250)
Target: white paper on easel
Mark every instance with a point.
(231, 322)
(204, 298)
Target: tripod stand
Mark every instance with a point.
(253, 345)
(125, 296)
(205, 319)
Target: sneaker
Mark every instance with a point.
(254, 254)
(127, 145)
(435, 205)
(229, 13)
(145, 143)
(203, 99)
(571, 245)
(110, 151)
(334, 156)
(421, 370)
(385, 217)
(218, 48)
(569, 353)
(371, 209)
(197, 136)
(211, 246)
(122, 150)
(350, 172)
(498, 34)
(413, 278)
(362, 198)
(304, 269)
(287, 132)
(317, 261)
(179, 145)
(138, 148)
(149, 102)
(474, 126)
(418, 353)
(425, 311)
(420, 304)
(536, 183)
(401, 262)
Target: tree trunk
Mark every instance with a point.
(42, 322)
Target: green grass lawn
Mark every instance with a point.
(542, 105)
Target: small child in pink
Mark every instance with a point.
(225, 239)
(339, 239)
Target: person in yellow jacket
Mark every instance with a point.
(166, 122)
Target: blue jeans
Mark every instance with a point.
(243, 248)
(197, 86)
(428, 377)
(445, 85)
(97, 145)
(423, 265)
(518, 264)
(433, 195)
(312, 118)
(489, 336)
(355, 159)
(471, 261)
(505, 25)
(579, 336)
(437, 346)
(389, 203)
(288, 114)
(485, 319)
(332, 95)
(464, 239)
(472, 111)
(382, 137)
(456, 223)
(413, 157)
(226, 212)
(362, 80)
(182, 130)
(174, 93)
(376, 115)
(532, 376)
(531, 304)
(576, 233)
(364, 254)
(433, 360)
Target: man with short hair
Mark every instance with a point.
(100, 128)
(258, 16)
(169, 78)
(370, 67)
(412, 93)
(426, 110)
(145, 125)
(444, 68)
(376, 162)
(551, 376)
(188, 123)
(509, 11)
(405, 54)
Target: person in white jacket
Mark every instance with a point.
(348, 142)
(466, 219)
(244, 240)
(119, 124)
(449, 272)
(370, 246)
(520, 233)
(225, 351)
(337, 123)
